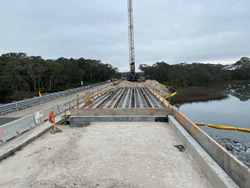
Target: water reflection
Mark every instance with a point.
(232, 111)
(239, 90)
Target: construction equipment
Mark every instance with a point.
(131, 41)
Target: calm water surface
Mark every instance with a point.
(232, 111)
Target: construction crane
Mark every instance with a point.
(131, 41)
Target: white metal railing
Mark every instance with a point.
(14, 105)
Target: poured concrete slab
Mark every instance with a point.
(105, 154)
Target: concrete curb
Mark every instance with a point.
(83, 121)
(210, 168)
(19, 142)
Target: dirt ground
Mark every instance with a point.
(111, 154)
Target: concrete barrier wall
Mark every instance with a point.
(14, 128)
(7, 132)
(239, 172)
(25, 124)
(19, 126)
(84, 121)
(62, 107)
(210, 168)
(121, 112)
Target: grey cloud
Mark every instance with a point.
(165, 30)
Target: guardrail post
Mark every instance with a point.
(77, 101)
(65, 111)
(54, 120)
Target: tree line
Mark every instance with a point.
(194, 74)
(22, 76)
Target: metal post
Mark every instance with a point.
(77, 101)
(65, 110)
(54, 119)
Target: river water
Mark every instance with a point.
(232, 111)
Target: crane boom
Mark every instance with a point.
(131, 40)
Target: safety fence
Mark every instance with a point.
(23, 103)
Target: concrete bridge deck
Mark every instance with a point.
(108, 153)
(127, 98)
(111, 154)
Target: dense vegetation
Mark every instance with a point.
(182, 75)
(22, 76)
(197, 73)
(195, 94)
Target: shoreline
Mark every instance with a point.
(196, 94)
(191, 94)
(238, 149)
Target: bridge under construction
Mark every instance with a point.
(121, 134)
(113, 134)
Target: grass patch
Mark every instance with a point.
(195, 94)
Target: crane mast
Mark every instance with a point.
(131, 41)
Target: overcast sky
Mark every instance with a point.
(174, 31)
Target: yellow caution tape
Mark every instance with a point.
(200, 124)
(171, 95)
